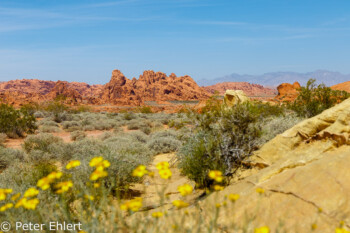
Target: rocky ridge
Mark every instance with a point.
(151, 86)
(250, 89)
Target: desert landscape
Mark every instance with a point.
(174, 116)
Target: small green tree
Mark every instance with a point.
(15, 123)
(314, 99)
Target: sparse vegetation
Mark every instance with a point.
(314, 99)
(16, 123)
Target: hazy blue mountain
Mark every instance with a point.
(275, 78)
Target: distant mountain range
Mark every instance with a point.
(273, 79)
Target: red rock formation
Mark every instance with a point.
(250, 89)
(151, 86)
(345, 86)
(287, 92)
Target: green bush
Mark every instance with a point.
(77, 135)
(314, 99)
(164, 145)
(223, 138)
(10, 156)
(3, 138)
(40, 142)
(15, 123)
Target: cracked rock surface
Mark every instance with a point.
(305, 173)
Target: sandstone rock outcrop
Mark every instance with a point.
(151, 86)
(287, 91)
(305, 174)
(345, 86)
(233, 97)
(250, 89)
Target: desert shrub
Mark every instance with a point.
(273, 126)
(48, 129)
(58, 111)
(164, 145)
(77, 135)
(139, 136)
(88, 128)
(39, 114)
(223, 138)
(16, 123)
(48, 122)
(177, 123)
(146, 129)
(40, 142)
(3, 138)
(129, 116)
(10, 156)
(71, 125)
(144, 109)
(314, 99)
(137, 124)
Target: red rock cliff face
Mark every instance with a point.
(249, 89)
(287, 91)
(151, 86)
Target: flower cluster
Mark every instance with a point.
(44, 183)
(185, 189)
(140, 171)
(133, 205)
(63, 187)
(100, 164)
(3, 193)
(73, 164)
(163, 170)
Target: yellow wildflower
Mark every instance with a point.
(140, 171)
(31, 204)
(217, 205)
(162, 165)
(44, 183)
(96, 161)
(63, 186)
(218, 187)
(262, 230)
(6, 207)
(180, 204)
(216, 175)
(73, 164)
(31, 192)
(28, 204)
(54, 175)
(97, 185)
(341, 230)
(98, 173)
(99, 162)
(157, 214)
(233, 197)
(165, 173)
(314, 226)
(133, 205)
(185, 189)
(260, 190)
(15, 197)
(3, 193)
(89, 197)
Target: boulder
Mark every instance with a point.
(233, 97)
(288, 92)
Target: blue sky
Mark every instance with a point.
(85, 40)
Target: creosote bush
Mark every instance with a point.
(16, 123)
(314, 99)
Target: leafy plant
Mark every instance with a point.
(314, 99)
(16, 123)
